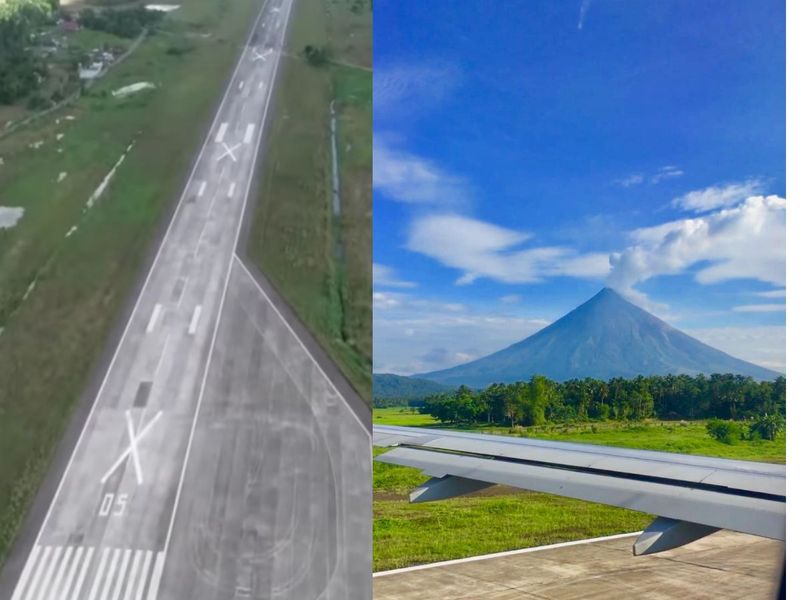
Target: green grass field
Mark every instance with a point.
(52, 338)
(501, 518)
(294, 232)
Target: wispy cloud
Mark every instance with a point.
(747, 241)
(762, 345)
(719, 196)
(511, 299)
(385, 276)
(584, 9)
(772, 294)
(665, 172)
(406, 177)
(484, 250)
(760, 308)
(414, 334)
(404, 89)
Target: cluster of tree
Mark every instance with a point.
(762, 427)
(21, 70)
(127, 23)
(316, 56)
(541, 400)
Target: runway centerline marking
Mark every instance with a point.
(231, 190)
(151, 324)
(228, 152)
(195, 319)
(221, 132)
(202, 188)
(134, 439)
(241, 84)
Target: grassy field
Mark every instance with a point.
(59, 296)
(501, 518)
(294, 234)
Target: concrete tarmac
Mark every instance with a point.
(218, 459)
(723, 565)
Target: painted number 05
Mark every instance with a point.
(116, 502)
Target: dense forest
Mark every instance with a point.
(542, 400)
(20, 68)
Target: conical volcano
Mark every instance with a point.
(605, 337)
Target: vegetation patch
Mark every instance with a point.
(321, 262)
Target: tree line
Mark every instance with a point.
(669, 397)
(21, 69)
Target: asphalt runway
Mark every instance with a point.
(218, 460)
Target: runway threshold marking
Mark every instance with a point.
(195, 319)
(134, 439)
(221, 132)
(82, 577)
(62, 568)
(98, 576)
(248, 134)
(148, 558)
(158, 569)
(49, 572)
(132, 577)
(151, 324)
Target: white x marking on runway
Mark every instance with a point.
(228, 151)
(132, 447)
(257, 56)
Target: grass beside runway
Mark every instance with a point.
(294, 234)
(502, 518)
(53, 337)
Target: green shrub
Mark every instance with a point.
(767, 427)
(727, 432)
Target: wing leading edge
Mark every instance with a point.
(692, 496)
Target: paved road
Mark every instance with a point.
(723, 565)
(218, 461)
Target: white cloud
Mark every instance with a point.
(718, 196)
(765, 345)
(511, 299)
(415, 334)
(406, 177)
(384, 276)
(772, 294)
(760, 308)
(406, 89)
(665, 172)
(744, 242)
(585, 4)
(481, 249)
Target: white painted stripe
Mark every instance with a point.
(151, 324)
(231, 190)
(202, 188)
(200, 239)
(195, 319)
(26, 573)
(49, 573)
(241, 84)
(459, 561)
(134, 450)
(84, 569)
(161, 358)
(98, 575)
(70, 574)
(132, 576)
(37, 576)
(60, 573)
(143, 577)
(111, 572)
(248, 133)
(221, 132)
(152, 591)
(121, 577)
(260, 84)
(210, 207)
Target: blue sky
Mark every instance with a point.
(525, 157)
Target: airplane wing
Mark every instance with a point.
(692, 496)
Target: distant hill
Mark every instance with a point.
(605, 337)
(397, 387)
